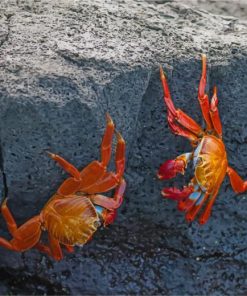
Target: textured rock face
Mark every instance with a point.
(63, 66)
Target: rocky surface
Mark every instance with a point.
(62, 67)
(236, 8)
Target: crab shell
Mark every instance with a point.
(72, 220)
(210, 163)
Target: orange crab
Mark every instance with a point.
(75, 212)
(209, 155)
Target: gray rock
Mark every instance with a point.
(63, 66)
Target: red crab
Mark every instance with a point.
(209, 155)
(75, 212)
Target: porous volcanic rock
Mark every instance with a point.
(63, 65)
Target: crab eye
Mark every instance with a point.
(97, 224)
(199, 161)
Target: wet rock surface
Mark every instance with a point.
(62, 67)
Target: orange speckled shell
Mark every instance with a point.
(211, 169)
(71, 220)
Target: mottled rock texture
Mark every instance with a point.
(63, 65)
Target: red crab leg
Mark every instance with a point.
(110, 179)
(68, 167)
(202, 97)
(179, 122)
(9, 219)
(69, 249)
(43, 248)
(170, 168)
(46, 249)
(107, 141)
(214, 113)
(191, 214)
(208, 209)
(56, 250)
(109, 216)
(108, 202)
(92, 172)
(188, 203)
(25, 237)
(238, 184)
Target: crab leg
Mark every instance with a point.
(110, 203)
(109, 216)
(214, 113)
(191, 213)
(179, 122)
(238, 184)
(9, 219)
(25, 237)
(188, 203)
(68, 167)
(43, 248)
(92, 172)
(109, 180)
(202, 97)
(107, 141)
(170, 168)
(207, 212)
(56, 250)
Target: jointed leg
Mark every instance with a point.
(202, 97)
(238, 184)
(191, 213)
(25, 237)
(69, 249)
(214, 113)
(109, 216)
(56, 250)
(110, 179)
(105, 151)
(179, 122)
(10, 221)
(43, 248)
(207, 211)
(107, 141)
(108, 202)
(188, 203)
(68, 167)
(92, 172)
(53, 250)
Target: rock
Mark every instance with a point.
(236, 8)
(63, 66)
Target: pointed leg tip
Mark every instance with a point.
(109, 119)
(4, 203)
(204, 57)
(215, 90)
(189, 218)
(51, 155)
(181, 206)
(204, 219)
(119, 137)
(162, 74)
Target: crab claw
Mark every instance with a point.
(109, 216)
(177, 194)
(170, 168)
